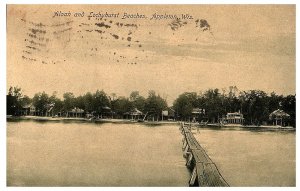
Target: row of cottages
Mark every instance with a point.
(106, 112)
(199, 115)
(277, 117)
(30, 109)
(135, 114)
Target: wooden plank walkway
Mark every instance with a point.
(204, 171)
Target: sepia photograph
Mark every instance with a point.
(150, 95)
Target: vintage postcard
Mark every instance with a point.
(151, 95)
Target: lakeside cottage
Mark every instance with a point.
(196, 113)
(25, 110)
(168, 114)
(28, 109)
(134, 114)
(234, 118)
(279, 117)
(106, 112)
(75, 112)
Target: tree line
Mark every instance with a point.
(255, 105)
(94, 103)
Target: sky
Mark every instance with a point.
(248, 46)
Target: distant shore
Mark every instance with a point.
(125, 121)
(98, 120)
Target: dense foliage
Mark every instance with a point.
(96, 103)
(255, 105)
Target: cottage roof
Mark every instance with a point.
(278, 113)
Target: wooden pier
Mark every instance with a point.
(204, 171)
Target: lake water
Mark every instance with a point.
(89, 154)
(252, 158)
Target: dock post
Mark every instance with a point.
(186, 151)
(193, 182)
(189, 160)
(184, 145)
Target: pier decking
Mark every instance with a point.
(204, 171)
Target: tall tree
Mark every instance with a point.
(121, 106)
(88, 100)
(40, 101)
(184, 105)
(69, 101)
(13, 99)
(137, 101)
(289, 105)
(56, 102)
(213, 104)
(101, 101)
(155, 105)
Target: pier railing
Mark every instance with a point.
(204, 171)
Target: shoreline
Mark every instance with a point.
(128, 121)
(73, 119)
